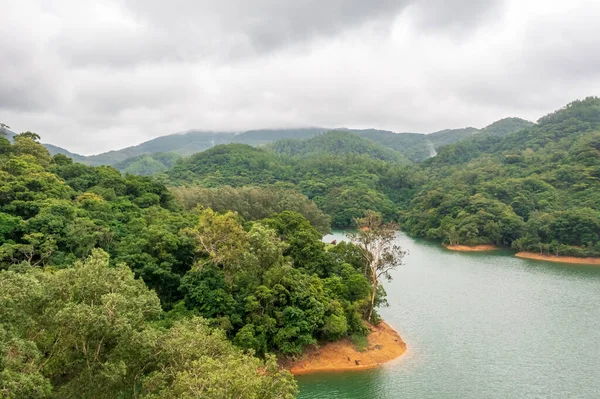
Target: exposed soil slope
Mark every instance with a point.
(471, 248)
(561, 259)
(384, 345)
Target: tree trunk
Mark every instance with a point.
(372, 300)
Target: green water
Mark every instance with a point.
(482, 325)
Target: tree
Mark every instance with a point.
(191, 360)
(222, 238)
(3, 127)
(377, 243)
(91, 331)
(82, 326)
(29, 135)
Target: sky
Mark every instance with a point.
(92, 76)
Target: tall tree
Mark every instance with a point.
(222, 239)
(379, 250)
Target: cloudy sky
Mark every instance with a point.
(92, 76)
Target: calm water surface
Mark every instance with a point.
(482, 325)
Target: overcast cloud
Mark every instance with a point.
(92, 76)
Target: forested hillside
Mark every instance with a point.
(148, 164)
(342, 185)
(419, 147)
(149, 157)
(513, 183)
(212, 289)
(336, 143)
(537, 189)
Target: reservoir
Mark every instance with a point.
(481, 325)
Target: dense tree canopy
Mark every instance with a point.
(105, 280)
(537, 189)
(252, 202)
(90, 331)
(336, 143)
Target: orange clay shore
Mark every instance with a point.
(471, 248)
(384, 345)
(561, 259)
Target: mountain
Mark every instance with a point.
(418, 147)
(414, 146)
(186, 143)
(336, 143)
(266, 136)
(506, 126)
(58, 150)
(10, 135)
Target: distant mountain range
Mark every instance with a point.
(160, 153)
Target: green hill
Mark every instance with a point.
(413, 146)
(229, 164)
(148, 164)
(266, 136)
(418, 147)
(187, 143)
(536, 189)
(336, 143)
(506, 126)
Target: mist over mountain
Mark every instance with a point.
(415, 147)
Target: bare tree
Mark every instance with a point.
(379, 250)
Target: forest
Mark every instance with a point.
(106, 280)
(514, 184)
(537, 189)
(197, 278)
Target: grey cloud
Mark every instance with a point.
(94, 76)
(455, 15)
(25, 73)
(565, 46)
(211, 31)
(230, 30)
(552, 60)
(265, 24)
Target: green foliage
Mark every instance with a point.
(252, 203)
(344, 186)
(336, 143)
(344, 204)
(272, 287)
(148, 164)
(196, 361)
(88, 332)
(79, 324)
(271, 284)
(233, 164)
(506, 126)
(535, 189)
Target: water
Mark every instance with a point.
(482, 325)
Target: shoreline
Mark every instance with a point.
(472, 248)
(559, 259)
(385, 344)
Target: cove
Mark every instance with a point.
(481, 325)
